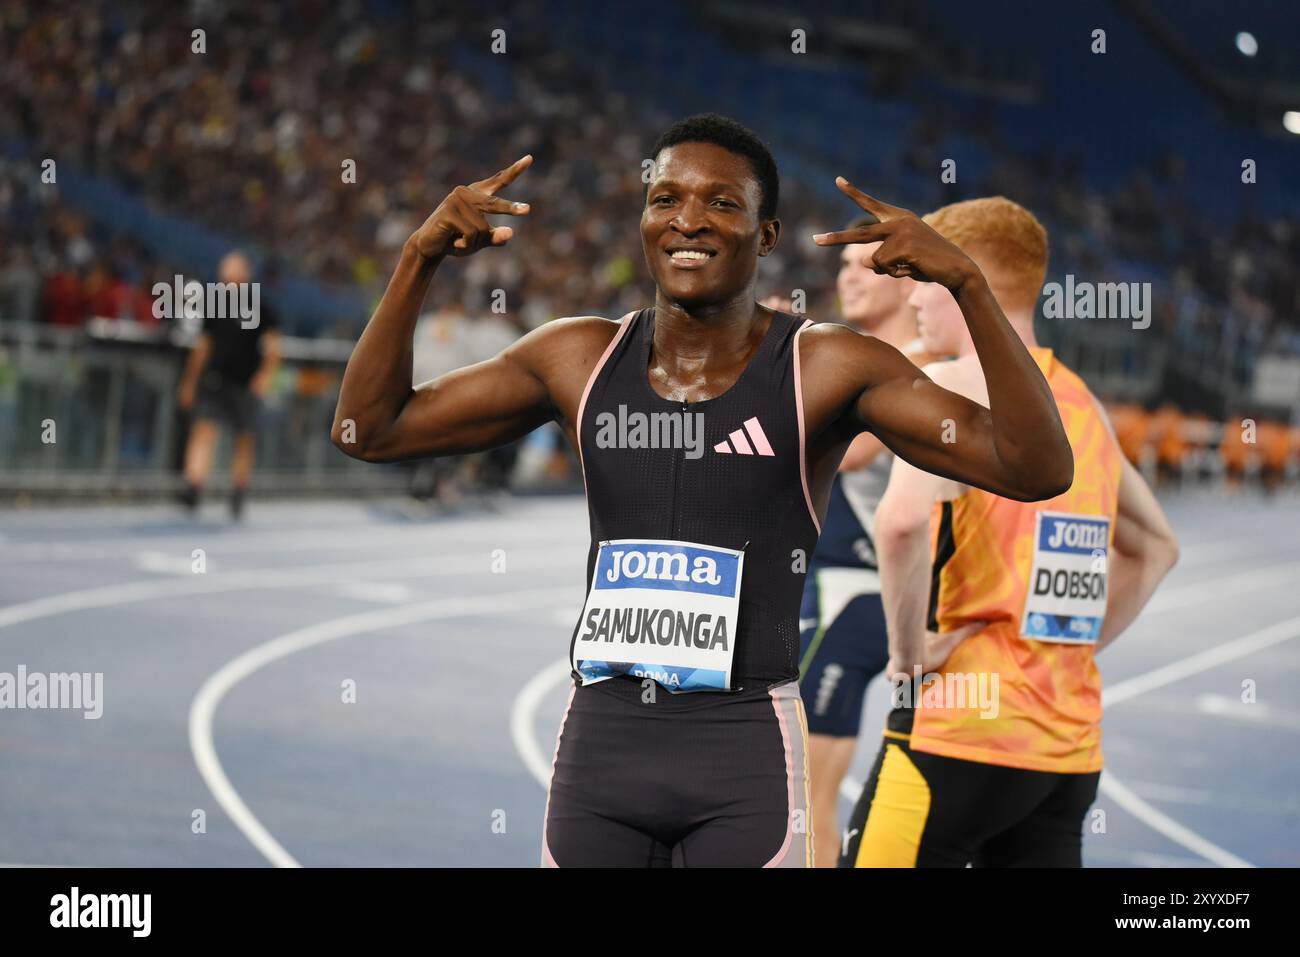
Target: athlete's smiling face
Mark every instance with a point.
(700, 230)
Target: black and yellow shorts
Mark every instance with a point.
(925, 810)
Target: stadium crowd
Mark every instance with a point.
(251, 136)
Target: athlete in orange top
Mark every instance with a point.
(996, 761)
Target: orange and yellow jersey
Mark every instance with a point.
(1036, 572)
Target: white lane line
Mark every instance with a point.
(1230, 586)
(126, 592)
(1210, 658)
(1119, 792)
(204, 707)
(523, 713)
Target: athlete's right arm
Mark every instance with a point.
(866, 447)
(1144, 550)
(380, 416)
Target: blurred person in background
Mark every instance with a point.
(448, 339)
(20, 286)
(843, 643)
(228, 371)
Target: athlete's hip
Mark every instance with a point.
(624, 731)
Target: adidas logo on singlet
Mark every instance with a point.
(741, 445)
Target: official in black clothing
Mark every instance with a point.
(228, 371)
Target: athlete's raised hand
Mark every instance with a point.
(459, 226)
(908, 247)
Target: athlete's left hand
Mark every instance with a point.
(939, 647)
(908, 246)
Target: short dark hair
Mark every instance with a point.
(730, 135)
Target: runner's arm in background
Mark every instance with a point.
(1144, 550)
(270, 362)
(902, 536)
(194, 363)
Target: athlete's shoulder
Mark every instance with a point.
(585, 327)
(570, 335)
(836, 342)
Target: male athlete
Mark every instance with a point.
(843, 643)
(996, 762)
(708, 429)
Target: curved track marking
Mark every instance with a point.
(204, 707)
(523, 713)
(1273, 634)
(1158, 821)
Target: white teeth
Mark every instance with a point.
(690, 254)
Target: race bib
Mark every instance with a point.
(1067, 582)
(662, 610)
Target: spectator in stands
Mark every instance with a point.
(63, 300)
(20, 286)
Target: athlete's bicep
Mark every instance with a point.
(934, 428)
(471, 409)
(496, 401)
